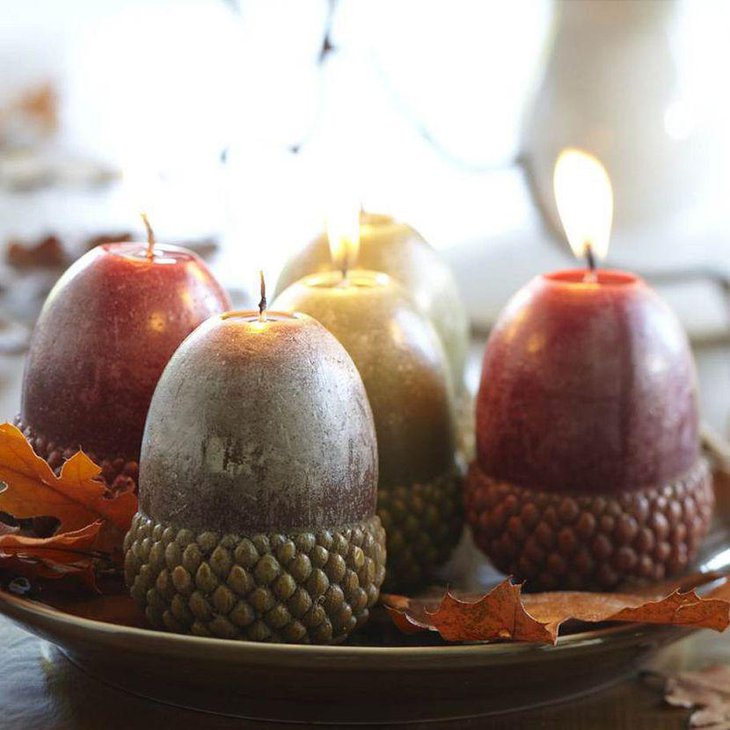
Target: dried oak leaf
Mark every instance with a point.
(76, 497)
(66, 547)
(46, 252)
(64, 554)
(707, 691)
(504, 613)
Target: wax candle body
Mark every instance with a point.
(254, 407)
(403, 367)
(257, 484)
(588, 470)
(587, 387)
(396, 249)
(401, 363)
(105, 333)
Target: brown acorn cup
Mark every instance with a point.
(299, 587)
(590, 541)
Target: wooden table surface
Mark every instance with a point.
(41, 690)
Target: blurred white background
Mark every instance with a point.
(238, 119)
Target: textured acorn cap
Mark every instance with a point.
(257, 427)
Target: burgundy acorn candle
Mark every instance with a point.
(588, 470)
(105, 334)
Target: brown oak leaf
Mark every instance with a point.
(506, 614)
(58, 556)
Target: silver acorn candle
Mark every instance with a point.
(258, 486)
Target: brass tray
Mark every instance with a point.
(378, 676)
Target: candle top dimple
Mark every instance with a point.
(357, 278)
(250, 315)
(275, 324)
(603, 277)
(162, 253)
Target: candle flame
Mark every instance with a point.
(343, 232)
(584, 197)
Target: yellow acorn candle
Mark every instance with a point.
(406, 376)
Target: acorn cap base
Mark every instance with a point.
(423, 524)
(113, 467)
(559, 540)
(303, 587)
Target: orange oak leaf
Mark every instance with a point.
(675, 609)
(69, 553)
(63, 547)
(505, 614)
(34, 569)
(76, 497)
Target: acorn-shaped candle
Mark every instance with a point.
(106, 331)
(403, 366)
(397, 249)
(257, 486)
(589, 472)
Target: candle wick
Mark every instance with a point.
(262, 303)
(150, 237)
(590, 276)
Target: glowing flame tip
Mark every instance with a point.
(584, 197)
(343, 232)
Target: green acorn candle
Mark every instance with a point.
(257, 487)
(404, 369)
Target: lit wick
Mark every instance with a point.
(345, 264)
(262, 303)
(343, 233)
(590, 275)
(150, 237)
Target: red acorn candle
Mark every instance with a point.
(588, 470)
(105, 334)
